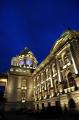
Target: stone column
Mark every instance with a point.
(45, 79)
(58, 70)
(51, 80)
(40, 82)
(73, 61)
(60, 89)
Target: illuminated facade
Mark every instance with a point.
(20, 83)
(54, 81)
(3, 84)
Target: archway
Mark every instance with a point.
(71, 80)
(37, 106)
(43, 106)
(71, 103)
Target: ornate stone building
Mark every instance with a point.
(54, 81)
(20, 82)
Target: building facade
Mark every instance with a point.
(55, 81)
(20, 83)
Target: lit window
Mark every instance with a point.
(21, 62)
(29, 62)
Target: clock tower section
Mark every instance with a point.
(20, 82)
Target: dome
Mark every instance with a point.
(25, 59)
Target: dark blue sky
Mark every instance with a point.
(35, 24)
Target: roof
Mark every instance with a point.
(66, 36)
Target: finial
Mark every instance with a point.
(26, 49)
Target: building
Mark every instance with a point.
(3, 84)
(54, 81)
(20, 82)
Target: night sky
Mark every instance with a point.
(35, 24)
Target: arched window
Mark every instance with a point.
(66, 58)
(54, 69)
(71, 79)
(42, 76)
(64, 84)
(48, 85)
(47, 72)
(56, 87)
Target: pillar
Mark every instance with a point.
(58, 70)
(73, 61)
(51, 80)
